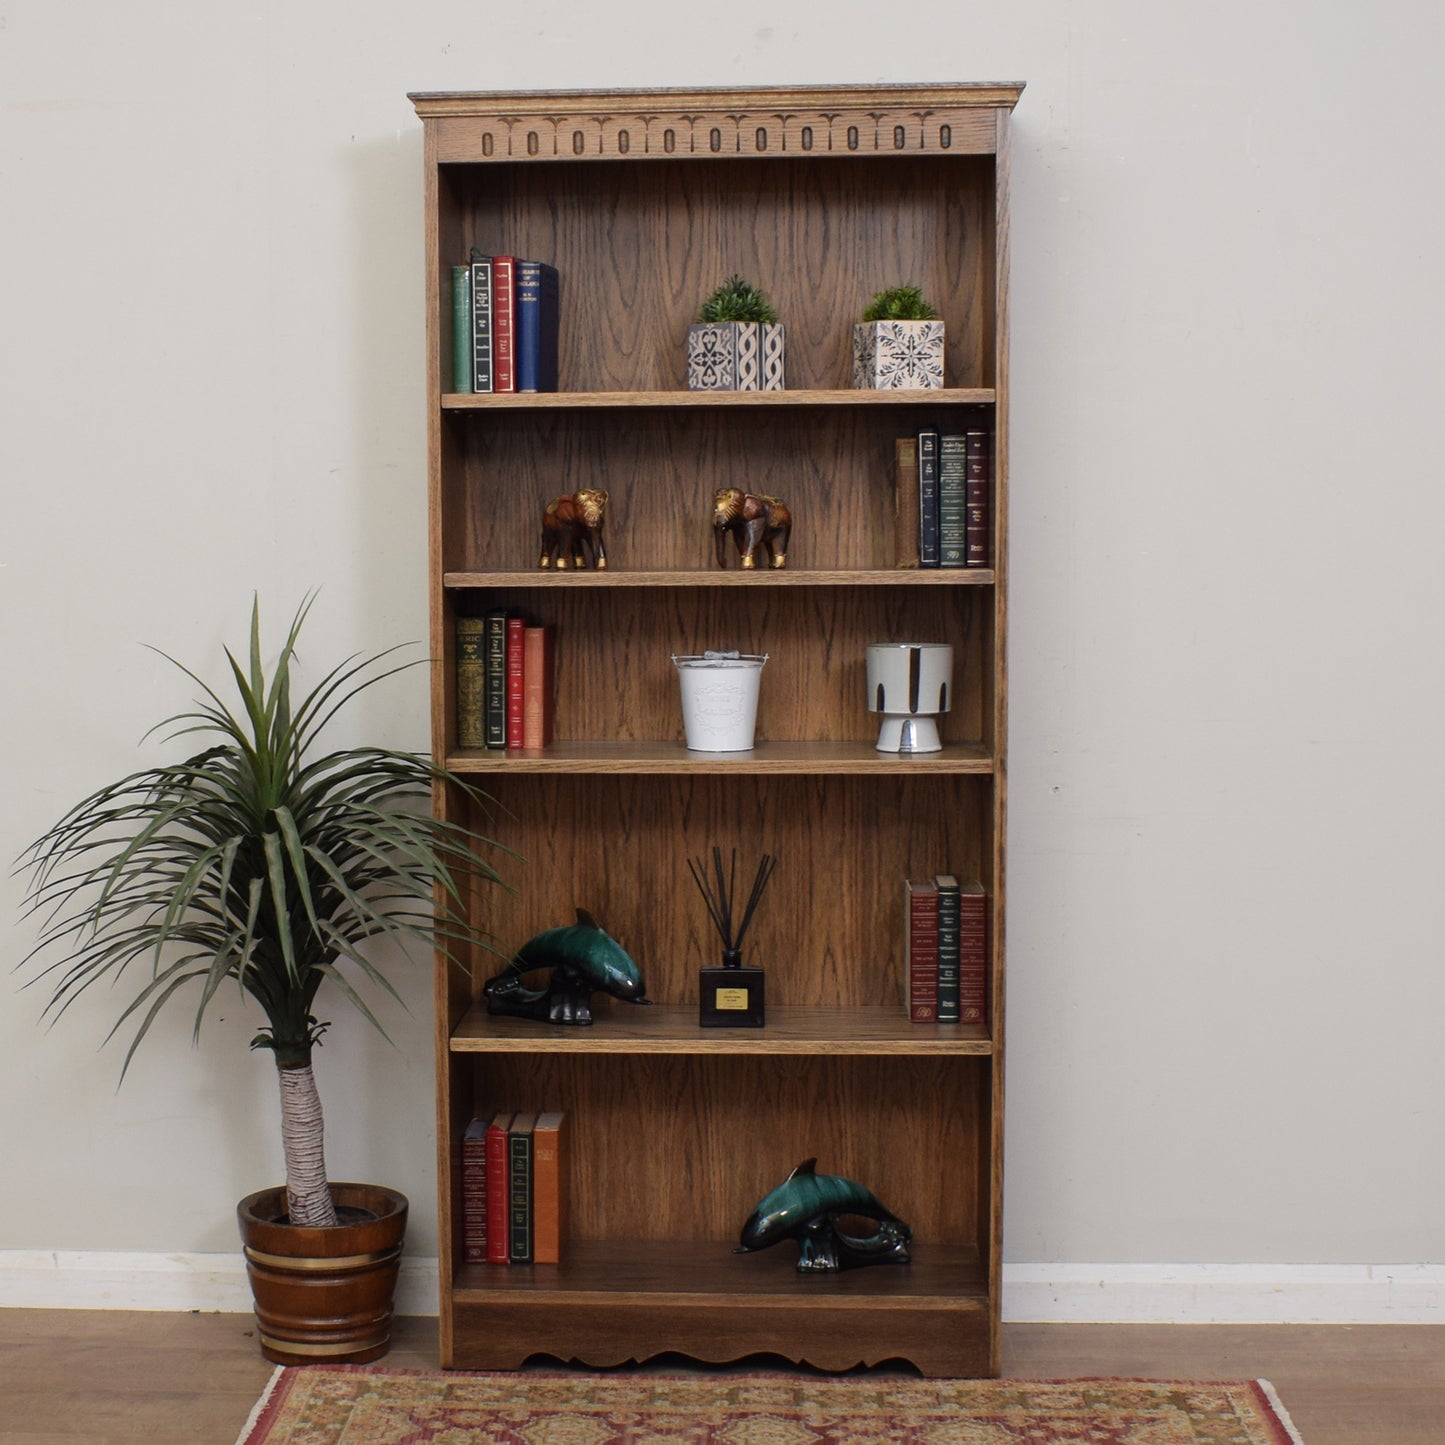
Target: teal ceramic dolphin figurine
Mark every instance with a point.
(583, 958)
(806, 1207)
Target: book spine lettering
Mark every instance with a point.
(921, 952)
(461, 328)
(536, 325)
(928, 497)
(973, 955)
(498, 1194)
(947, 952)
(952, 488)
(516, 631)
(504, 376)
(538, 667)
(521, 1192)
(481, 323)
(471, 682)
(474, 1192)
(496, 680)
(978, 500)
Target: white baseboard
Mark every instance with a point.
(1225, 1293)
(1043, 1293)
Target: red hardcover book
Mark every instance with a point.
(516, 628)
(978, 502)
(538, 670)
(504, 324)
(474, 1192)
(972, 954)
(920, 945)
(499, 1187)
(549, 1187)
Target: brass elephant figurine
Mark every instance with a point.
(753, 521)
(568, 523)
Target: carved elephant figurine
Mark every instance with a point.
(753, 521)
(568, 523)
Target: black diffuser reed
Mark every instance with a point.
(730, 996)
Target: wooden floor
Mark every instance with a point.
(115, 1378)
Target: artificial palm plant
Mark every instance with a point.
(260, 862)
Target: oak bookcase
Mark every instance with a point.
(645, 201)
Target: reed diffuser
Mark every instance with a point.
(730, 996)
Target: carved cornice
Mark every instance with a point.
(618, 125)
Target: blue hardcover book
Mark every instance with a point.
(535, 326)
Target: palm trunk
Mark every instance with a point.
(308, 1196)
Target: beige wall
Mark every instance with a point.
(1226, 985)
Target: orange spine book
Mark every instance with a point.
(920, 950)
(538, 667)
(972, 954)
(516, 629)
(499, 1192)
(504, 327)
(549, 1187)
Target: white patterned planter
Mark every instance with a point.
(897, 355)
(734, 356)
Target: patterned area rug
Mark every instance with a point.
(341, 1405)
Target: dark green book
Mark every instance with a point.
(948, 918)
(519, 1215)
(461, 328)
(471, 682)
(496, 678)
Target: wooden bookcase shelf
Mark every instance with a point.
(645, 200)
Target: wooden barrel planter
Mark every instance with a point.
(324, 1296)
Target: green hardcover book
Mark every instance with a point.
(496, 678)
(519, 1216)
(471, 682)
(952, 499)
(461, 328)
(948, 905)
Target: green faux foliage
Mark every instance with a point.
(737, 300)
(899, 303)
(258, 861)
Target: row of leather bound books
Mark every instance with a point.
(505, 680)
(945, 943)
(944, 498)
(514, 1188)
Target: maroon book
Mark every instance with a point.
(978, 499)
(516, 629)
(972, 954)
(499, 1183)
(920, 942)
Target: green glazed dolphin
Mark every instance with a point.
(584, 958)
(806, 1207)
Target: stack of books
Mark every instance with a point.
(945, 950)
(944, 498)
(504, 325)
(505, 672)
(514, 1188)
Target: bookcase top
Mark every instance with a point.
(430, 103)
(771, 122)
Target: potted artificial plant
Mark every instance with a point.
(736, 343)
(263, 862)
(898, 345)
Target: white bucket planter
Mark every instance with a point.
(720, 700)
